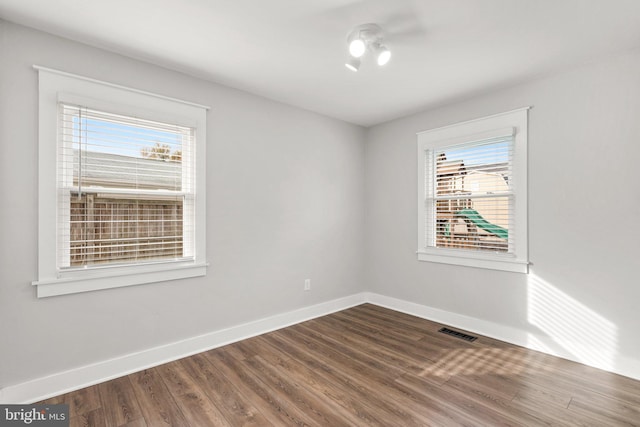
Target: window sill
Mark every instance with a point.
(92, 280)
(488, 261)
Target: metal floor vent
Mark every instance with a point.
(458, 334)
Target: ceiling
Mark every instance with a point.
(294, 51)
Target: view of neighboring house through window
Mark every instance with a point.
(472, 196)
(126, 189)
(472, 203)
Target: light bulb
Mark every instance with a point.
(382, 54)
(357, 48)
(353, 64)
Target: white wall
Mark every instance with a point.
(284, 200)
(584, 218)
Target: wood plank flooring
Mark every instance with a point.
(363, 366)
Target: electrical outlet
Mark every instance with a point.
(307, 284)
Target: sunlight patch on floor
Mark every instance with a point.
(481, 361)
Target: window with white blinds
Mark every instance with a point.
(126, 189)
(472, 198)
(121, 186)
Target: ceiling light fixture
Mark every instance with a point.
(366, 37)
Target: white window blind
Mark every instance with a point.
(470, 199)
(125, 189)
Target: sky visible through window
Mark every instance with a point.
(480, 155)
(124, 139)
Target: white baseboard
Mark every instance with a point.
(63, 382)
(619, 364)
(479, 326)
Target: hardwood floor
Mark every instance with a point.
(363, 366)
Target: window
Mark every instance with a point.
(472, 193)
(121, 186)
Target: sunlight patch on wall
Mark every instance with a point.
(572, 326)
(535, 343)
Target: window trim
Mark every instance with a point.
(515, 121)
(56, 86)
